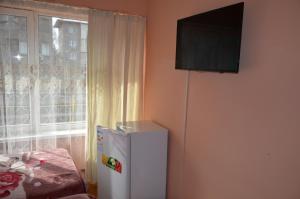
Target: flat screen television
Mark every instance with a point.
(210, 41)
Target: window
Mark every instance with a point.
(62, 76)
(42, 75)
(45, 49)
(72, 44)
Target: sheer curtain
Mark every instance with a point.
(42, 91)
(115, 74)
(15, 88)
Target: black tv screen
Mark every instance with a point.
(210, 41)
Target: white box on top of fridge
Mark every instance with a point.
(132, 161)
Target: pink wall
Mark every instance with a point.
(243, 130)
(138, 7)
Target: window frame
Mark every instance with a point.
(32, 15)
(30, 46)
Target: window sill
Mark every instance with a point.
(48, 135)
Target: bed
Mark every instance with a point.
(79, 196)
(46, 175)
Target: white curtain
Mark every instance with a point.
(42, 102)
(115, 74)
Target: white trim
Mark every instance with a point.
(19, 11)
(35, 89)
(64, 15)
(14, 11)
(56, 134)
(62, 10)
(48, 9)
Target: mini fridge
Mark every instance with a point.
(132, 161)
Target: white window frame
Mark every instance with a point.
(32, 15)
(30, 43)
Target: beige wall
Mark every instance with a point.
(243, 130)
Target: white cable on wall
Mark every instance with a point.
(187, 85)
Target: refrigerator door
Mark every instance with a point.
(113, 164)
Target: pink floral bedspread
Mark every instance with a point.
(53, 175)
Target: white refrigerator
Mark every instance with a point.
(132, 161)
